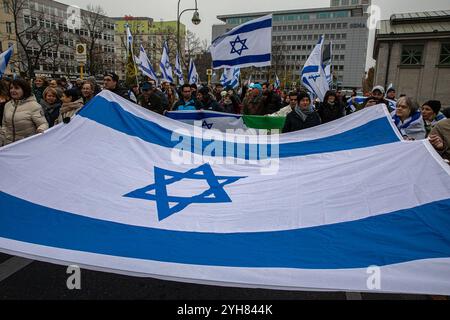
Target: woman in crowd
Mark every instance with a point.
(71, 104)
(253, 102)
(171, 96)
(431, 114)
(40, 84)
(51, 103)
(87, 91)
(408, 119)
(330, 109)
(53, 83)
(23, 116)
(303, 116)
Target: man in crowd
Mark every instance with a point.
(187, 102)
(111, 83)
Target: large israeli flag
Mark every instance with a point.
(249, 44)
(137, 193)
(144, 64)
(164, 66)
(230, 77)
(4, 59)
(313, 75)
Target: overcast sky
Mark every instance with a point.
(209, 9)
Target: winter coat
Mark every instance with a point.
(182, 105)
(21, 120)
(442, 129)
(329, 112)
(211, 105)
(294, 122)
(413, 127)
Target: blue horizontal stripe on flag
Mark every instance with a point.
(111, 114)
(267, 23)
(242, 60)
(183, 115)
(397, 237)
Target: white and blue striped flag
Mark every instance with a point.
(164, 66)
(192, 74)
(144, 64)
(313, 75)
(230, 77)
(277, 83)
(327, 62)
(178, 210)
(4, 59)
(249, 44)
(179, 70)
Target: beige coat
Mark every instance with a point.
(442, 129)
(22, 119)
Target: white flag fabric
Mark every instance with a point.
(327, 62)
(230, 77)
(4, 59)
(349, 199)
(165, 67)
(144, 64)
(249, 44)
(179, 70)
(129, 38)
(192, 73)
(277, 84)
(209, 120)
(313, 75)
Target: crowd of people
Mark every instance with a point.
(30, 108)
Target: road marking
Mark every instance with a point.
(353, 296)
(13, 265)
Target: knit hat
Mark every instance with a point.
(73, 93)
(113, 76)
(379, 88)
(433, 104)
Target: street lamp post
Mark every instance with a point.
(195, 20)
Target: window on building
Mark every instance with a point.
(444, 58)
(345, 2)
(9, 28)
(412, 54)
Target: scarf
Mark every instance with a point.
(303, 114)
(71, 106)
(49, 108)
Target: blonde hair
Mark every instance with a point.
(56, 92)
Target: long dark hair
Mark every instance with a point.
(24, 85)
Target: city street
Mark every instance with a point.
(45, 281)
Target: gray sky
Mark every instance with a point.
(209, 9)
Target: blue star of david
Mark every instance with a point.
(314, 77)
(167, 65)
(243, 46)
(163, 178)
(207, 125)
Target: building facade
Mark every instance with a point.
(48, 32)
(7, 34)
(295, 32)
(151, 35)
(413, 52)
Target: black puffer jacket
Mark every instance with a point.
(294, 122)
(329, 112)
